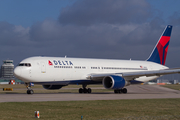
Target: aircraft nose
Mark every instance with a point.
(17, 72)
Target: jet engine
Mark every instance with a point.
(114, 82)
(52, 87)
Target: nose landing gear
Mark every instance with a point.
(29, 89)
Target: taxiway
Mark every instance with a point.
(134, 92)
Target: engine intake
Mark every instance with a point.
(114, 82)
(52, 87)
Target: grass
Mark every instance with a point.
(162, 109)
(172, 86)
(159, 109)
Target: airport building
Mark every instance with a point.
(6, 71)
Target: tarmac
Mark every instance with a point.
(134, 92)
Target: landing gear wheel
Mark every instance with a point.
(30, 91)
(89, 90)
(84, 89)
(117, 91)
(80, 90)
(124, 90)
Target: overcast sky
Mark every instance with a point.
(112, 29)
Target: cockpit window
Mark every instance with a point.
(25, 64)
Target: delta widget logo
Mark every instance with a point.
(50, 63)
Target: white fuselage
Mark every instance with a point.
(50, 70)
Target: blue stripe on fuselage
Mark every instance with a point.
(68, 82)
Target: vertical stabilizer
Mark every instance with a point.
(159, 53)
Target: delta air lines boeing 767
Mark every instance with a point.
(56, 72)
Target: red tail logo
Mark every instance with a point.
(160, 51)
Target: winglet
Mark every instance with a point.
(159, 53)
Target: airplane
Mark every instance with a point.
(57, 72)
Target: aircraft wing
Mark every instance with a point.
(133, 75)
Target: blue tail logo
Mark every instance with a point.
(159, 53)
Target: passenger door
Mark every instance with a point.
(43, 67)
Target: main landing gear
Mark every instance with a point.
(123, 90)
(29, 89)
(84, 89)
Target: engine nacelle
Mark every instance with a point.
(114, 82)
(52, 87)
